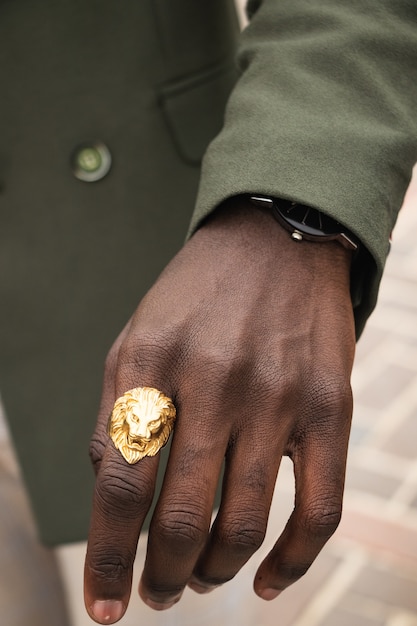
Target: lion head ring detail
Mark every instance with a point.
(141, 422)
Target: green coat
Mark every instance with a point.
(150, 81)
(324, 113)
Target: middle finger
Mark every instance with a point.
(181, 522)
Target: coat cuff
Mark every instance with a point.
(320, 116)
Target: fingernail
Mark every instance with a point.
(199, 588)
(107, 611)
(269, 594)
(160, 606)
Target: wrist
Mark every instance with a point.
(251, 231)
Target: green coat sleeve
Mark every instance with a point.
(324, 113)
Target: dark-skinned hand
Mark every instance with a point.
(252, 336)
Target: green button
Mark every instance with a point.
(91, 162)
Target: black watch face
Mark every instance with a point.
(310, 221)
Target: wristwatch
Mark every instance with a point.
(305, 222)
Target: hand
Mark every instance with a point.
(251, 334)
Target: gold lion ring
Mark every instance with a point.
(141, 423)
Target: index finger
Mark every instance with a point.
(122, 497)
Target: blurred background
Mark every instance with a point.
(366, 575)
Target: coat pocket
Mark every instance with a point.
(194, 109)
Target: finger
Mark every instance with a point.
(122, 498)
(252, 465)
(181, 521)
(319, 466)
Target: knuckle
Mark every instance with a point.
(143, 348)
(329, 394)
(224, 365)
(279, 382)
(324, 415)
(182, 528)
(243, 536)
(322, 519)
(145, 352)
(96, 450)
(110, 568)
(274, 378)
(121, 491)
